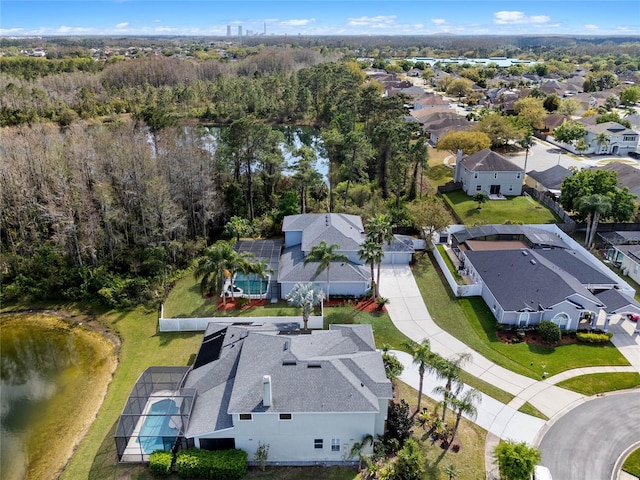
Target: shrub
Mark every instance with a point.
(589, 337)
(227, 464)
(549, 331)
(160, 463)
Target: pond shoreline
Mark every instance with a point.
(87, 411)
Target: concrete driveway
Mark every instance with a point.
(586, 442)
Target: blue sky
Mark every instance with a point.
(319, 17)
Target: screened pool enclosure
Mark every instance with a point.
(155, 415)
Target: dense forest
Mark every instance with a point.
(110, 184)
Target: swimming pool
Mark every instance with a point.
(252, 284)
(157, 431)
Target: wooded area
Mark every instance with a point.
(110, 184)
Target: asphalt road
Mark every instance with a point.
(585, 443)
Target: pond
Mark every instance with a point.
(54, 375)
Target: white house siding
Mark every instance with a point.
(396, 258)
(292, 441)
(618, 144)
(474, 182)
(355, 289)
(631, 267)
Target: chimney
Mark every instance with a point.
(458, 170)
(266, 390)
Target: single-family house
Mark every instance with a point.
(610, 138)
(309, 397)
(489, 172)
(627, 257)
(528, 274)
(628, 176)
(353, 278)
(549, 180)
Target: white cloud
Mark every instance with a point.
(11, 31)
(297, 22)
(122, 25)
(164, 29)
(64, 29)
(438, 21)
(380, 21)
(505, 17)
(591, 27)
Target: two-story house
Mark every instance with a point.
(610, 138)
(489, 172)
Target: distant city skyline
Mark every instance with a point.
(318, 17)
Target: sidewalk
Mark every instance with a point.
(410, 315)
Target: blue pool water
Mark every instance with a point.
(252, 284)
(156, 433)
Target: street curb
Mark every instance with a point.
(617, 467)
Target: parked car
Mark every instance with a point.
(635, 155)
(634, 317)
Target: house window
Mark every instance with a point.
(285, 416)
(518, 175)
(478, 188)
(628, 138)
(317, 443)
(246, 416)
(635, 268)
(510, 188)
(335, 444)
(475, 175)
(495, 175)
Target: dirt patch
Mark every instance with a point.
(532, 338)
(240, 304)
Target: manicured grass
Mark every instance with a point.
(469, 460)
(142, 346)
(595, 383)
(514, 209)
(439, 175)
(449, 263)
(471, 321)
(486, 387)
(632, 463)
(384, 331)
(533, 411)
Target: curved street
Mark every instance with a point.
(587, 441)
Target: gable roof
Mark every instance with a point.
(293, 270)
(519, 280)
(345, 230)
(628, 176)
(338, 370)
(489, 161)
(618, 302)
(621, 237)
(537, 237)
(551, 178)
(571, 262)
(610, 128)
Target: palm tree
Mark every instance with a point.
(602, 139)
(381, 231)
(260, 269)
(325, 254)
(371, 252)
(594, 207)
(213, 265)
(452, 471)
(449, 370)
(307, 296)
(358, 448)
(424, 358)
(465, 405)
(526, 142)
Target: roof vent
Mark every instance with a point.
(288, 363)
(525, 253)
(314, 365)
(532, 261)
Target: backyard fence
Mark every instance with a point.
(200, 324)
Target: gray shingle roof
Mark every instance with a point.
(537, 237)
(628, 176)
(345, 230)
(609, 128)
(517, 282)
(346, 375)
(618, 302)
(488, 161)
(551, 178)
(621, 238)
(572, 263)
(293, 269)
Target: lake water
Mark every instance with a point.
(53, 377)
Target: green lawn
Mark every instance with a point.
(533, 411)
(447, 260)
(632, 464)
(471, 321)
(439, 175)
(595, 383)
(514, 209)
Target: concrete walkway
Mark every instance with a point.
(410, 315)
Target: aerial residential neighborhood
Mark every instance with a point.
(344, 240)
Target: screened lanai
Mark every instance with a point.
(155, 415)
